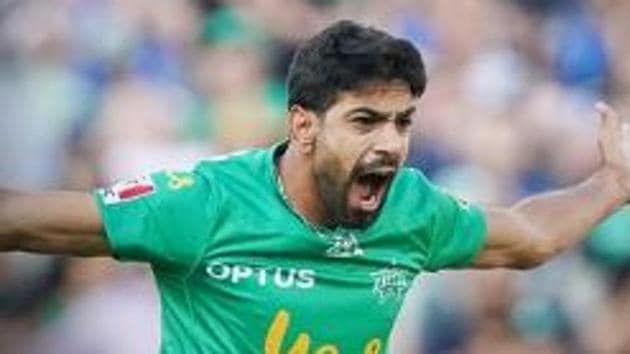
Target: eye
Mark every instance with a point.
(363, 123)
(404, 122)
(363, 120)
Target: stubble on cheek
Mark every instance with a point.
(332, 193)
(332, 184)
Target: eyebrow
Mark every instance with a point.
(382, 115)
(407, 112)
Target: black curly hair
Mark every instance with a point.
(345, 57)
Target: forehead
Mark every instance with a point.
(393, 96)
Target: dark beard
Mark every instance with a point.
(334, 195)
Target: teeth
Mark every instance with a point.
(383, 171)
(377, 173)
(371, 199)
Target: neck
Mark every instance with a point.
(300, 186)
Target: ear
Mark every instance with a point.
(304, 125)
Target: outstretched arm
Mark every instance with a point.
(51, 222)
(538, 228)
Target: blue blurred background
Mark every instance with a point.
(97, 90)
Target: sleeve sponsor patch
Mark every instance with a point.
(129, 190)
(179, 180)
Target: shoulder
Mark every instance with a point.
(234, 162)
(413, 183)
(412, 192)
(411, 179)
(236, 170)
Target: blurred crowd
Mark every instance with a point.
(98, 90)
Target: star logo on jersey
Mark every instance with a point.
(391, 283)
(344, 245)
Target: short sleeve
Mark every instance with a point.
(163, 218)
(456, 231)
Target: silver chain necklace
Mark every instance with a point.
(321, 231)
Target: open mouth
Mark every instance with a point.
(368, 189)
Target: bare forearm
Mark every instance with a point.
(537, 228)
(8, 234)
(50, 222)
(564, 217)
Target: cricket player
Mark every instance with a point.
(310, 246)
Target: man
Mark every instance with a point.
(310, 246)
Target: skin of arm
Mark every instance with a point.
(51, 222)
(540, 227)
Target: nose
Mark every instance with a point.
(391, 142)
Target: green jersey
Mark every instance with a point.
(239, 271)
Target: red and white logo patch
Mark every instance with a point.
(129, 190)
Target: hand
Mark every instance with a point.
(614, 145)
